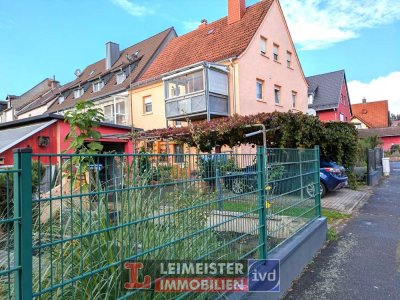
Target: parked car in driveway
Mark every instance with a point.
(332, 177)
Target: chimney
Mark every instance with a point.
(203, 23)
(112, 54)
(236, 10)
(364, 100)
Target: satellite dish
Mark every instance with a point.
(78, 72)
(311, 112)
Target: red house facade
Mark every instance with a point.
(45, 135)
(328, 95)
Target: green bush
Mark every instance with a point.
(394, 149)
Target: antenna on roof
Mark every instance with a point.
(78, 72)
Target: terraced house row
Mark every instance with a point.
(244, 63)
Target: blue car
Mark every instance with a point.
(332, 177)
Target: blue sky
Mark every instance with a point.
(43, 38)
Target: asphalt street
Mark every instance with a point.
(364, 262)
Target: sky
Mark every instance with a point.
(43, 38)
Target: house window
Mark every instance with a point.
(263, 45)
(97, 86)
(179, 157)
(121, 77)
(294, 96)
(148, 105)
(289, 59)
(357, 125)
(178, 123)
(78, 93)
(277, 92)
(276, 52)
(185, 84)
(109, 113)
(341, 116)
(61, 99)
(120, 114)
(259, 89)
(310, 99)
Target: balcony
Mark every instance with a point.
(197, 93)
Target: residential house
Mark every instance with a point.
(46, 133)
(244, 63)
(329, 96)
(389, 135)
(373, 114)
(16, 104)
(105, 82)
(395, 123)
(3, 106)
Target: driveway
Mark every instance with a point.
(364, 262)
(345, 200)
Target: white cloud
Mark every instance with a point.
(133, 9)
(381, 88)
(190, 25)
(316, 24)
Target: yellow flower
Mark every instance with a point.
(268, 204)
(268, 188)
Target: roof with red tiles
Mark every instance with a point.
(133, 60)
(213, 42)
(373, 114)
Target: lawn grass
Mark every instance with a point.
(334, 215)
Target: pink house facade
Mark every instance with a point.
(245, 63)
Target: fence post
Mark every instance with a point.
(219, 189)
(261, 177)
(317, 181)
(23, 228)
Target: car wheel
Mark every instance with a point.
(322, 189)
(238, 186)
(310, 190)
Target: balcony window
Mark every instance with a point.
(120, 113)
(185, 84)
(148, 105)
(109, 113)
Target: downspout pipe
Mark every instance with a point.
(233, 84)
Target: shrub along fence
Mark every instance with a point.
(105, 210)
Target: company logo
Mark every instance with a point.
(264, 275)
(204, 276)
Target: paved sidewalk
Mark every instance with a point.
(345, 200)
(364, 262)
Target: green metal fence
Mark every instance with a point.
(88, 215)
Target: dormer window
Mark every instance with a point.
(61, 99)
(78, 93)
(97, 86)
(121, 77)
(310, 99)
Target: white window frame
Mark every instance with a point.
(294, 98)
(119, 76)
(276, 52)
(289, 59)
(61, 99)
(310, 99)
(78, 93)
(263, 45)
(277, 96)
(342, 117)
(259, 83)
(97, 86)
(119, 114)
(112, 116)
(147, 102)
